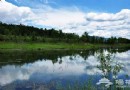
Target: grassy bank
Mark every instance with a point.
(53, 46)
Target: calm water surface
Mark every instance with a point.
(44, 69)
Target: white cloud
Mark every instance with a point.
(99, 24)
(108, 24)
(69, 19)
(62, 18)
(10, 13)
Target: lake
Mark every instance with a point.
(64, 69)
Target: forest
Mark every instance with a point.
(23, 33)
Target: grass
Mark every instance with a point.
(52, 46)
(40, 46)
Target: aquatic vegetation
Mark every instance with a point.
(109, 65)
(110, 69)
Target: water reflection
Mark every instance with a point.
(110, 70)
(47, 67)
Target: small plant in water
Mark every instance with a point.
(109, 67)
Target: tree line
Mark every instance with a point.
(22, 33)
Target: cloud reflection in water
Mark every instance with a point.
(75, 67)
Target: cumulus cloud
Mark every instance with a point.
(108, 24)
(69, 19)
(98, 24)
(10, 13)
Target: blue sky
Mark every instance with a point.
(97, 17)
(112, 6)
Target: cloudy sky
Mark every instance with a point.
(97, 17)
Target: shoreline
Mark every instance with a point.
(26, 46)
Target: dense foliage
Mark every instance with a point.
(22, 33)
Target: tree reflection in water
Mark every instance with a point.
(81, 64)
(110, 69)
